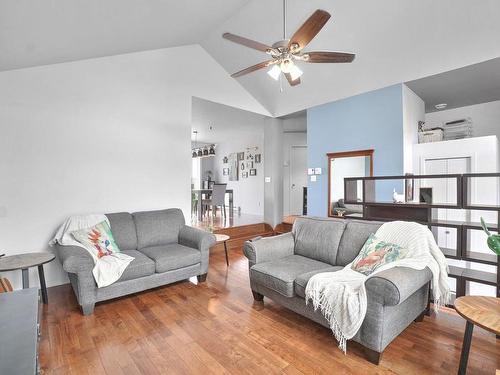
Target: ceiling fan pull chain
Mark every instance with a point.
(284, 19)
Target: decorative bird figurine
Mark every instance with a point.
(493, 239)
(397, 198)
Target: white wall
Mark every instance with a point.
(485, 118)
(233, 130)
(273, 169)
(413, 112)
(296, 123)
(248, 192)
(101, 135)
(484, 156)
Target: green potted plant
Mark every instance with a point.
(493, 239)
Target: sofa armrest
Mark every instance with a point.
(395, 285)
(269, 248)
(75, 259)
(196, 238)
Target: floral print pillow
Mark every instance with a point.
(377, 253)
(98, 240)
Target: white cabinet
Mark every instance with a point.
(471, 155)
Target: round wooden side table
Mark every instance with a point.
(24, 262)
(481, 311)
(223, 238)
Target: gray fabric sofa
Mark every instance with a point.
(281, 266)
(348, 208)
(165, 251)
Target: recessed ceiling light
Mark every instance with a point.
(441, 106)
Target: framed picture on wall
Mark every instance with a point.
(253, 172)
(225, 171)
(249, 164)
(241, 156)
(257, 158)
(244, 175)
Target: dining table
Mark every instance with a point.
(207, 192)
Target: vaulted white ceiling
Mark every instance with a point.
(394, 40)
(53, 31)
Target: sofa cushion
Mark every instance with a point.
(280, 274)
(300, 282)
(318, 238)
(155, 228)
(355, 235)
(141, 266)
(172, 257)
(123, 228)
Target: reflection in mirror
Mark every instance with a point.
(340, 166)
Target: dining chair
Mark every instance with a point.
(217, 198)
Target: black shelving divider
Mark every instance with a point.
(423, 213)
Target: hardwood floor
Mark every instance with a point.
(218, 222)
(216, 328)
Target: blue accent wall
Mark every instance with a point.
(373, 120)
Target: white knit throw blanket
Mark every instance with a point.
(341, 296)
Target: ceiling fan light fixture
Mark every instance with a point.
(295, 72)
(274, 72)
(285, 52)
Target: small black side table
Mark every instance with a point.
(24, 262)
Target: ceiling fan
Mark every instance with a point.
(286, 52)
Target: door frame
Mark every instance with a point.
(344, 154)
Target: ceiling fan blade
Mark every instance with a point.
(309, 30)
(289, 79)
(246, 42)
(329, 57)
(253, 68)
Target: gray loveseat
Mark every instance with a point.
(164, 248)
(281, 266)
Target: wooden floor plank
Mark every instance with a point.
(216, 328)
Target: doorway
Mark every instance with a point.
(298, 179)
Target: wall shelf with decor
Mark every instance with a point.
(466, 189)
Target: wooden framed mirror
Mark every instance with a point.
(341, 165)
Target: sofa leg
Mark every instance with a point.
(420, 318)
(373, 356)
(257, 296)
(202, 278)
(88, 308)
